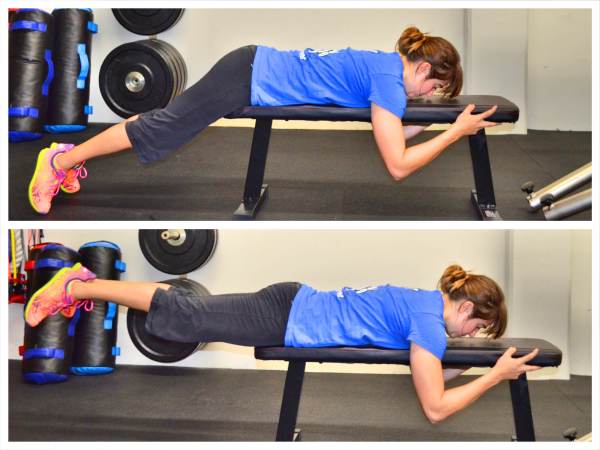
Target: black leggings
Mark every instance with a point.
(252, 319)
(224, 89)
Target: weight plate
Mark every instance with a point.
(175, 61)
(136, 78)
(160, 47)
(153, 347)
(177, 251)
(179, 65)
(147, 21)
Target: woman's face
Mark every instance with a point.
(462, 325)
(416, 82)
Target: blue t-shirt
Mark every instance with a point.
(346, 77)
(383, 316)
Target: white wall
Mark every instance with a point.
(559, 79)
(539, 272)
(532, 267)
(506, 52)
(495, 58)
(580, 345)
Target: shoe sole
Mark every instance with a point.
(35, 173)
(62, 188)
(46, 286)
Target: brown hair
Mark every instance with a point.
(437, 51)
(486, 295)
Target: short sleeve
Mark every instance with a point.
(427, 331)
(387, 91)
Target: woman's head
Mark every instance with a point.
(433, 63)
(475, 302)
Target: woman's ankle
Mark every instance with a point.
(76, 288)
(65, 161)
(59, 161)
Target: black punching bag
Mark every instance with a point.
(96, 332)
(68, 109)
(30, 73)
(48, 347)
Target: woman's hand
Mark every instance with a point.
(468, 124)
(509, 368)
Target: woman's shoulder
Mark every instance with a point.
(417, 297)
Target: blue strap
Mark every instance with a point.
(91, 370)
(100, 244)
(32, 353)
(64, 128)
(22, 136)
(116, 351)
(85, 66)
(111, 312)
(120, 265)
(73, 323)
(88, 109)
(50, 77)
(91, 26)
(44, 377)
(52, 263)
(52, 246)
(28, 25)
(24, 111)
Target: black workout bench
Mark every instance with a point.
(418, 111)
(471, 352)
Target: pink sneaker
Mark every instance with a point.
(55, 295)
(47, 178)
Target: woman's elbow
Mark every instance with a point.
(398, 173)
(434, 415)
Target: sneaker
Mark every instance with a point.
(70, 184)
(54, 296)
(69, 311)
(46, 180)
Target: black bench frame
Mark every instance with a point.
(255, 191)
(288, 415)
(418, 111)
(471, 352)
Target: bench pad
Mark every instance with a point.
(472, 352)
(421, 110)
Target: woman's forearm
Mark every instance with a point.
(416, 156)
(458, 398)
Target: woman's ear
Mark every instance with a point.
(423, 70)
(466, 307)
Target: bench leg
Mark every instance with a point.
(483, 195)
(519, 393)
(286, 430)
(255, 191)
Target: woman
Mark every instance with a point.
(420, 66)
(296, 315)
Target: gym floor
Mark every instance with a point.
(313, 175)
(166, 403)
